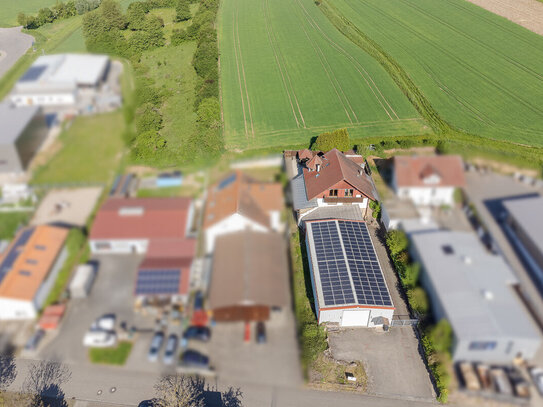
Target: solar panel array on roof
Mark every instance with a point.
(227, 181)
(14, 252)
(158, 281)
(33, 73)
(347, 264)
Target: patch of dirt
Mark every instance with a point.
(527, 13)
(503, 168)
(413, 150)
(327, 373)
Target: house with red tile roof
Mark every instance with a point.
(332, 179)
(158, 228)
(239, 202)
(28, 270)
(428, 180)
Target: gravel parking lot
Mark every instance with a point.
(392, 360)
(13, 45)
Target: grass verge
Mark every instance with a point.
(10, 221)
(111, 356)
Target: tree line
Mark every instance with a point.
(58, 12)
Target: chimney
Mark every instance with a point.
(318, 167)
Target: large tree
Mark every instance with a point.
(337, 139)
(44, 381)
(135, 15)
(182, 10)
(112, 14)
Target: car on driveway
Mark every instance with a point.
(198, 301)
(537, 377)
(99, 339)
(200, 333)
(35, 340)
(192, 358)
(171, 349)
(104, 323)
(260, 332)
(156, 344)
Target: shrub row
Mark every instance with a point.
(58, 12)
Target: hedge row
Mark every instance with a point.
(58, 12)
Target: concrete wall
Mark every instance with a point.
(376, 315)
(233, 223)
(505, 350)
(52, 98)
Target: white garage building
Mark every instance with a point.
(348, 284)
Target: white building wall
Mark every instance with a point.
(428, 195)
(12, 309)
(233, 223)
(375, 315)
(44, 99)
(121, 246)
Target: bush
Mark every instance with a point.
(148, 94)
(441, 336)
(418, 300)
(375, 207)
(112, 15)
(396, 241)
(148, 118)
(84, 6)
(148, 146)
(179, 37)
(410, 275)
(336, 139)
(135, 15)
(182, 10)
(205, 59)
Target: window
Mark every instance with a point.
(40, 247)
(31, 261)
(25, 273)
(102, 245)
(333, 192)
(482, 345)
(349, 192)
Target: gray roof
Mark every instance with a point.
(473, 286)
(299, 195)
(528, 213)
(347, 212)
(13, 121)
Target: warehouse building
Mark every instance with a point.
(524, 225)
(29, 269)
(23, 132)
(249, 276)
(475, 291)
(59, 80)
(348, 284)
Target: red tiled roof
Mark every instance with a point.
(305, 154)
(141, 218)
(412, 171)
(171, 248)
(338, 168)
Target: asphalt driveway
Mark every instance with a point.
(392, 360)
(13, 45)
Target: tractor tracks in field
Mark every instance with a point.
(281, 66)
(241, 77)
(355, 63)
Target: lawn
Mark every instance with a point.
(287, 74)
(10, 8)
(91, 151)
(480, 72)
(111, 356)
(10, 221)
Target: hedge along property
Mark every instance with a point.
(287, 74)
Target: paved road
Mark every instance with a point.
(13, 45)
(132, 387)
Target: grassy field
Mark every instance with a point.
(482, 73)
(91, 151)
(287, 74)
(10, 8)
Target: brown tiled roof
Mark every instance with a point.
(305, 154)
(412, 171)
(244, 195)
(34, 262)
(312, 163)
(249, 268)
(159, 218)
(338, 168)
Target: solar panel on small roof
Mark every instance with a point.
(227, 181)
(14, 252)
(158, 281)
(33, 73)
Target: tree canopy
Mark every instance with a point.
(336, 139)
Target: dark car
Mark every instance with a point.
(171, 349)
(156, 344)
(260, 332)
(192, 358)
(149, 403)
(198, 301)
(200, 333)
(35, 340)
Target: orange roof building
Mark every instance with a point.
(28, 270)
(239, 202)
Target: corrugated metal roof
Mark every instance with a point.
(528, 213)
(14, 120)
(299, 196)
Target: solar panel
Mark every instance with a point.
(158, 281)
(33, 73)
(14, 252)
(347, 261)
(227, 181)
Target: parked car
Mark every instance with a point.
(192, 358)
(537, 377)
(171, 349)
(260, 332)
(501, 381)
(156, 344)
(198, 301)
(104, 323)
(99, 339)
(200, 333)
(35, 340)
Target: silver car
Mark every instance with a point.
(171, 349)
(156, 344)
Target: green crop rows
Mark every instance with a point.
(481, 73)
(288, 74)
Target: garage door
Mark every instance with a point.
(355, 317)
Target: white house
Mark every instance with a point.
(238, 203)
(428, 180)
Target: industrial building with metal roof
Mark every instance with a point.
(477, 293)
(348, 284)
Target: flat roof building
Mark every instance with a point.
(28, 270)
(23, 131)
(348, 284)
(475, 291)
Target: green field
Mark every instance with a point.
(482, 73)
(287, 74)
(10, 8)
(91, 151)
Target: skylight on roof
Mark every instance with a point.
(131, 211)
